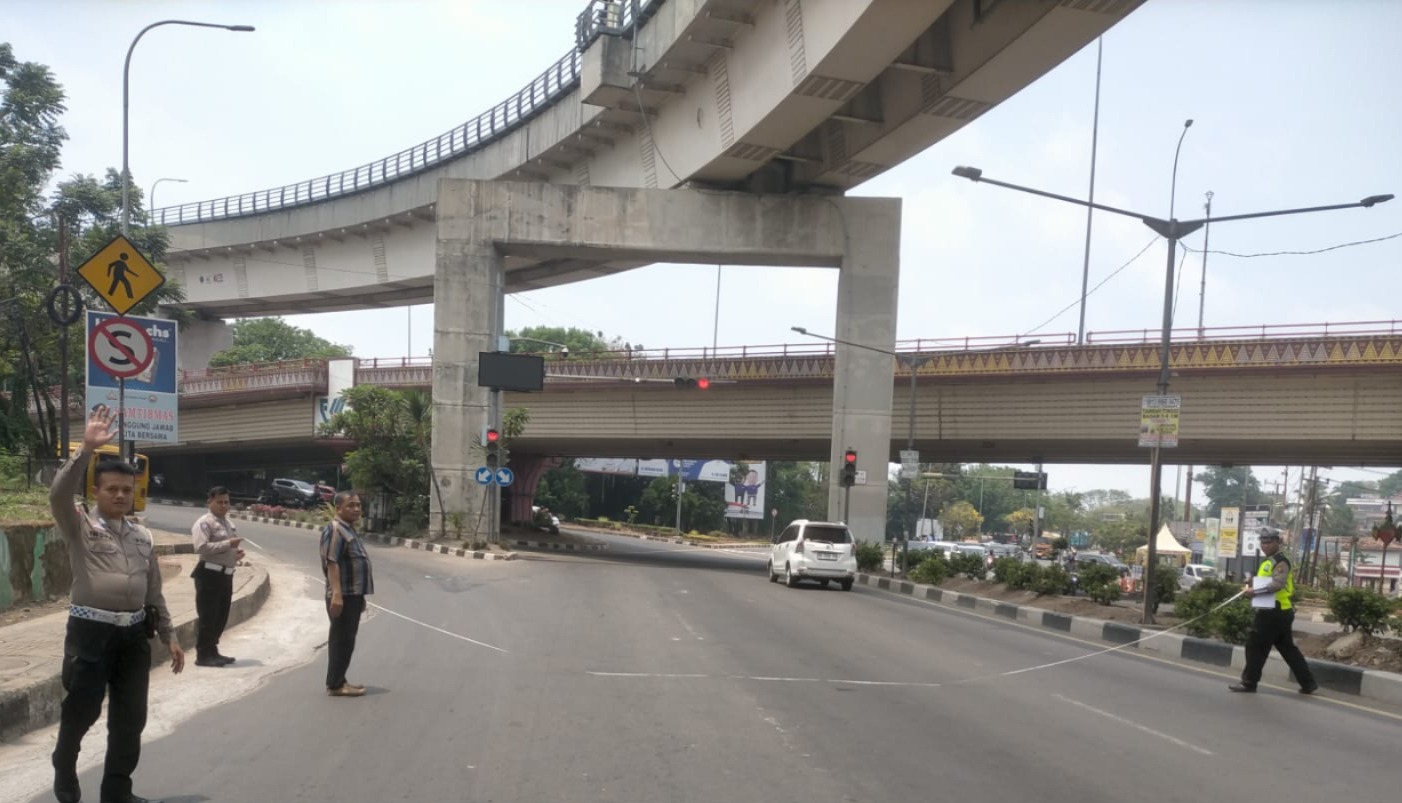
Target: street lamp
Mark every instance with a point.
(564, 350)
(912, 361)
(126, 83)
(151, 198)
(1172, 230)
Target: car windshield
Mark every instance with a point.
(1205, 571)
(306, 486)
(832, 535)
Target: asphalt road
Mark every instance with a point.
(654, 672)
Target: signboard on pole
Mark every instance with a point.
(121, 275)
(1158, 421)
(910, 464)
(1211, 542)
(744, 495)
(152, 411)
(1227, 533)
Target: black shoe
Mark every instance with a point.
(66, 788)
(210, 662)
(1242, 687)
(1310, 689)
(226, 660)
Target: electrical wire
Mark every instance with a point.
(1091, 292)
(1299, 253)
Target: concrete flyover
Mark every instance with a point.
(693, 131)
(754, 95)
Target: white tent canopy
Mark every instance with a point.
(1166, 546)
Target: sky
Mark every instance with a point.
(1293, 104)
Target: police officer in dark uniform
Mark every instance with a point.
(1273, 626)
(116, 600)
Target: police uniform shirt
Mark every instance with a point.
(211, 535)
(113, 561)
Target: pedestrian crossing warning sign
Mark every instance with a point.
(121, 275)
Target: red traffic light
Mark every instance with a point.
(850, 457)
(493, 436)
(703, 383)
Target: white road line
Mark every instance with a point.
(1135, 725)
(644, 675)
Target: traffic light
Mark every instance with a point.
(493, 444)
(700, 383)
(1030, 480)
(849, 468)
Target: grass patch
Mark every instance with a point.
(25, 507)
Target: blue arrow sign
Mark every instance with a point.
(505, 477)
(484, 476)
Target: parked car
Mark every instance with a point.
(290, 493)
(1195, 573)
(325, 493)
(814, 550)
(1087, 558)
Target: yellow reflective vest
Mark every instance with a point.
(1282, 596)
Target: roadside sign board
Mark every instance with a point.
(505, 476)
(120, 348)
(1158, 421)
(484, 476)
(910, 464)
(152, 412)
(121, 275)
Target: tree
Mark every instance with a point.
(960, 520)
(389, 456)
(87, 210)
(1231, 487)
(796, 491)
(273, 339)
(563, 490)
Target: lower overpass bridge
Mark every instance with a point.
(1321, 394)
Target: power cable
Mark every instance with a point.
(1299, 253)
(1091, 292)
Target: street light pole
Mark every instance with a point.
(126, 97)
(151, 199)
(1171, 230)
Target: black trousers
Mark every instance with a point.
(213, 593)
(341, 643)
(98, 658)
(1272, 628)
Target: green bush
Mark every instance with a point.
(931, 571)
(969, 565)
(1005, 568)
(1100, 582)
(1051, 580)
(1361, 609)
(1024, 576)
(1166, 584)
(869, 556)
(1195, 607)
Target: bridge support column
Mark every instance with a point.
(202, 339)
(528, 470)
(464, 323)
(867, 288)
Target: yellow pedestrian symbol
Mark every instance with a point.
(121, 275)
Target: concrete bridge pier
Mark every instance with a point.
(527, 235)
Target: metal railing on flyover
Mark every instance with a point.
(1265, 331)
(417, 371)
(598, 18)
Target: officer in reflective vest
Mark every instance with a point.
(1273, 625)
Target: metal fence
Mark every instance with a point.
(599, 17)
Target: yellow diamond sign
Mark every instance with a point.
(121, 275)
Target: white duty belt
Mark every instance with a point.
(118, 618)
(204, 564)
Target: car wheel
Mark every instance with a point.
(846, 585)
(790, 579)
(824, 582)
(769, 567)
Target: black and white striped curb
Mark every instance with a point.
(556, 546)
(1371, 684)
(673, 539)
(390, 540)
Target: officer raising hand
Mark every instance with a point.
(116, 597)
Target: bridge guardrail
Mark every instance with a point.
(598, 18)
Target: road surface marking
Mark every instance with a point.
(1135, 725)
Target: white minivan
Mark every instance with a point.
(814, 550)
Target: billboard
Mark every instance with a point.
(1210, 542)
(744, 492)
(1227, 533)
(152, 410)
(691, 470)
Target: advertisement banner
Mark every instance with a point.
(617, 466)
(1158, 421)
(691, 470)
(1252, 520)
(323, 407)
(1210, 542)
(744, 493)
(152, 413)
(1227, 533)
